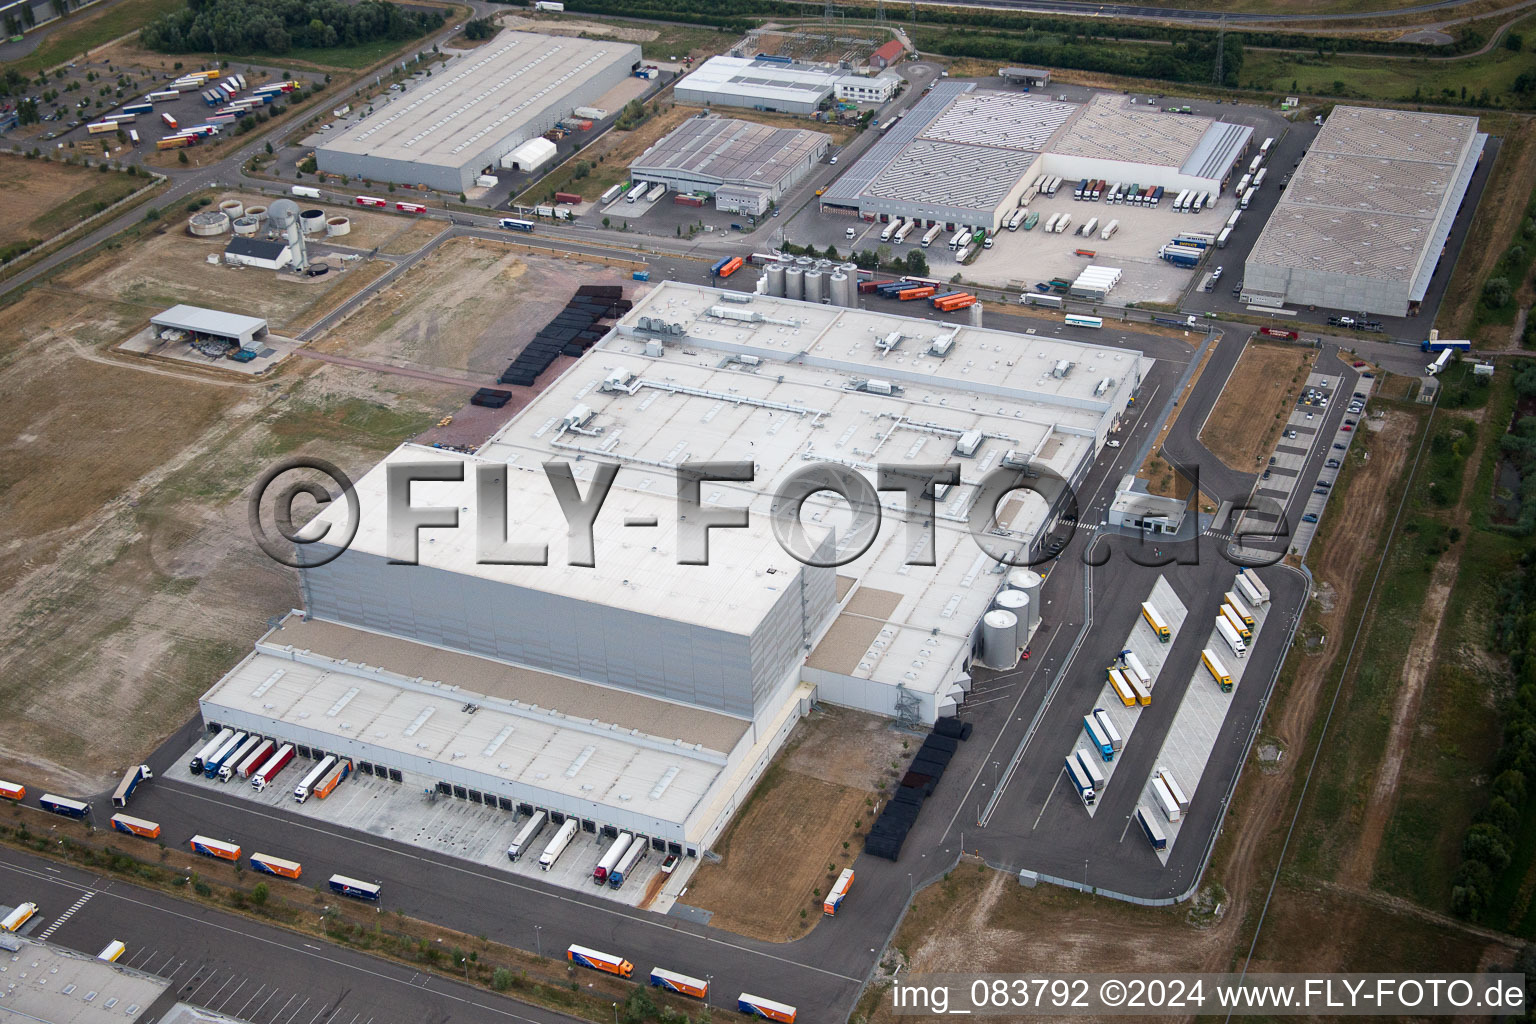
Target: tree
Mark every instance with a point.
(1496, 292)
(917, 263)
(1488, 844)
(480, 28)
(260, 894)
(1514, 41)
(181, 157)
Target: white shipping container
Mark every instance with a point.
(1085, 759)
(1109, 230)
(558, 844)
(1109, 729)
(1173, 789)
(1165, 800)
(525, 835)
(1230, 636)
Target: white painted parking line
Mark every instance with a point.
(216, 995)
(199, 988)
(296, 1010)
(241, 1012)
(257, 1012)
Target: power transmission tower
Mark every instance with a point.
(1221, 49)
(880, 13)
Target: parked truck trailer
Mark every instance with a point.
(527, 834)
(206, 751)
(130, 782)
(557, 845)
(629, 863)
(269, 769)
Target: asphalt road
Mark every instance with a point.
(240, 967)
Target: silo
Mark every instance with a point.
(257, 213)
(841, 291)
(804, 262)
(815, 285)
(246, 226)
(312, 221)
(208, 223)
(794, 283)
(999, 639)
(775, 274)
(975, 312)
(335, 226)
(1030, 583)
(232, 208)
(1018, 602)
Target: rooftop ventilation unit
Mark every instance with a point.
(1062, 368)
(942, 346)
(656, 325)
(888, 342)
(577, 417)
(968, 443)
(618, 379)
(1104, 385)
(875, 387)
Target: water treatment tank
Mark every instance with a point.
(815, 285)
(794, 283)
(232, 208)
(999, 639)
(208, 223)
(776, 280)
(312, 221)
(257, 213)
(335, 226)
(246, 226)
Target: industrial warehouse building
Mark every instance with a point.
(445, 130)
(777, 84)
(963, 157)
(1363, 223)
(264, 254)
(650, 689)
(245, 331)
(745, 166)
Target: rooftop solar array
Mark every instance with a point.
(868, 167)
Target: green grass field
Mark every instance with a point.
(1354, 76)
(87, 30)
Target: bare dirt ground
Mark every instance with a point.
(568, 27)
(481, 329)
(411, 236)
(128, 578)
(44, 198)
(1250, 413)
(1358, 868)
(770, 888)
(171, 267)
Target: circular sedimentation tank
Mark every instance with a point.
(336, 226)
(246, 226)
(208, 223)
(232, 208)
(257, 213)
(313, 221)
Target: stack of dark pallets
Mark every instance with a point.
(896, 820)
(574, 329)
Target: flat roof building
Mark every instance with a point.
(258, 252)
(963, 156)
(648, 684)
(1366, 215)
(743, 164)
(48, 983)
(779, 85)
(244, 331)
(445, 130)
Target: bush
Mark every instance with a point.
(1497, 292)
(501, 979)
(260, 894)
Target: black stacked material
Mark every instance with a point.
(965, 731)
(950, 727)
(572, 350)
(909, 795)
(933, 752)
(601, 291)
(919, 781)
(942, 742)
(930, 768)
(491, 398)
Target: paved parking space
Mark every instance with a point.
(406, 813)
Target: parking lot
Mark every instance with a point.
(412, 813)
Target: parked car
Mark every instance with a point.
(1310, 517)
(1331, 464)
(1265, 475)
(1113, 444)
(1349, 423)
(1347, 428)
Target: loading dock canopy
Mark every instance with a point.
(211, 323)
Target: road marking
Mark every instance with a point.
(195, 794)
(280, 1009)
(222, 987)
(241, 1012)
(59, 921)
(297, 1010)
(1048, 797)
(205, 981)
(263, 1005)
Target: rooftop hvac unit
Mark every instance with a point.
(656, 325)
(888, 342)
(618, 379)
(578, 416)
(942, 345)
(1063, 367)
(880, 387)
(1015, 459)
(1104, 385)
(749, 360)
(968, 443)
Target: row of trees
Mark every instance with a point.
(1191, 61)
(1490, 842)
(278, 26)
(1518, 447)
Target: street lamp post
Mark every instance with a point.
(538, 947)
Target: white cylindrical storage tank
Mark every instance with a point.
(232, 208)
(246, 226)
(776, 280)
(815, 281)
(313, 221)
(794, 283)
(840, 289)
(257, 213)
(337, 226)
(999, 639)
(804, 262)
(1018, 602)
(1030, 582)
(208, 223)
(975, 312)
